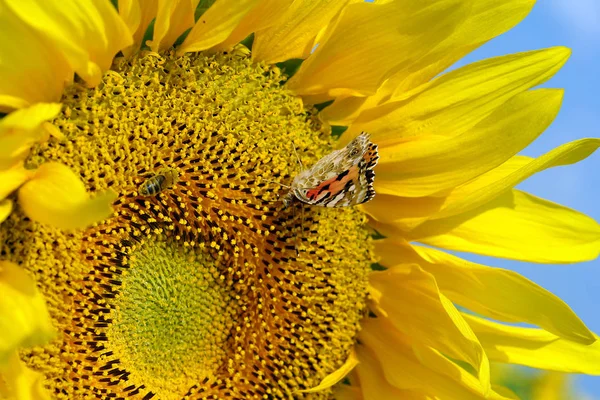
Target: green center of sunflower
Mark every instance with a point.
(201, 285)
(171, 301)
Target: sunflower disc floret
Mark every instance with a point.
(208, 289)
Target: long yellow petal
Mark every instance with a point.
(347, 392)
(487, 19)
(518, 226)
(535, 348)
(55, 195)
(89, 34)
(266, 14)
(504, 392)
(137, 15)
(24, 319)
(12, 178)
(19, 130)
(294, 33)
(488, 186)
(552, 386)
(432, 164)
(6, 207)
(131, 13)
(370, 42)
(455, 102)
(336, 375)
(411, 366)
(410, 298)
(28, 119)
(18, 382)
(216, 24)
(47, 70)
(495, 292)
(172, 19)
(409, 212)
(9, 102)
(404, 212)
(373, 384)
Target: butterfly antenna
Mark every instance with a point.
(280, 184)
(297, 156)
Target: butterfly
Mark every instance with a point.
(342, 178)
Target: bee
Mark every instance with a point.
(163, 180)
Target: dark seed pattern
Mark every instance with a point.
(293, 281)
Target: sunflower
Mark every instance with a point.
(146, 250)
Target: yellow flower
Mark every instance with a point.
(206, 286)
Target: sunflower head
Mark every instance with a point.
(227, 291)
(163, 171)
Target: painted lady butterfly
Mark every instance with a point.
(342, 178)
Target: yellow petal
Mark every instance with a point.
(373, 384)
(18, 382)
(89, 34)
(370, 42)
(535, 348)
(431, 164)
(346, 392)
(47, 71)
(409, 212)
(9, 103)
(488, 186)
(131, 13)
(294, 33)
(455, 102)
(15, 148)
(495, 292)
(216, 24)
(411, 366)
(336, 375)
(552, 386)
(518, 226)
(19, 130)
(172, 19)
(11, 179)
(504, 392)
(487, 19)
(24, 319)
(137, 15)
(6, 207)
(56, 196)
(52, 130)
(29, 119)
(264, 15)
(404, 212)
(410, 298)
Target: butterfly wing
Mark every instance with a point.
(342, 178)
(366, 175)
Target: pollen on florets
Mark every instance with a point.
(251, 300)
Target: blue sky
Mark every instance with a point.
(575, 24)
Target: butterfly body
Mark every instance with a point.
(342, 178)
